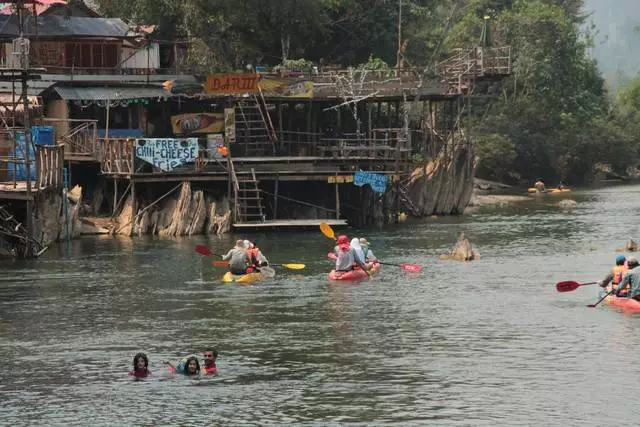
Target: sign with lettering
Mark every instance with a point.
(286, 88)
(232, 83)
(340, 179)
(197, 123)
(377, 181)
(167, 153)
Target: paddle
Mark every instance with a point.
(413, 268)
(570, 285)
(290, 266)
(203, 250)
(602, 299)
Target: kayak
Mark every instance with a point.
(552, 191)
(627, 304)
(241, 278)
(355, 274)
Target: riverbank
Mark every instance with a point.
(488, 193)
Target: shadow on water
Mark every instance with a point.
(460, 343)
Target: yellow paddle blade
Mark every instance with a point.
(294, 266)
(327, 230)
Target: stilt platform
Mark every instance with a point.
(290, 223)
(17, 190)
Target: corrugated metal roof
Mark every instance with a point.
(34, 87)
(54, 26)
(111, 93)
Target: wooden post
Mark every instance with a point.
(369, 127)
(280, 120)
(115, 197)
(275, 197)
(133, 204)
(337, 199)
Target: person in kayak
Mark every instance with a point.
(238, 258)
(616, 274)
(347, 257)
(539, 185)
(369, 257)
(187, 366)
(342, 240)
(209, 365)
(631, 278)
(256, 257)
(140, 366)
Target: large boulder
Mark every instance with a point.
(462, 251)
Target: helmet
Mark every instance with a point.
(620, 259)
(343, 240)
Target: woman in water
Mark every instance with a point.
(187, 366)
(140, 366)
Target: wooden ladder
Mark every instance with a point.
(255, 128)
(248, 199)
(10, 227)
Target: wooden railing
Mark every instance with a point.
(81, 138)
(49, 166)
(115, 155)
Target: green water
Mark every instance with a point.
(487, 342)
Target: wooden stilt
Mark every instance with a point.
(115, 197)
(134, 207)
(275, 197)
(337, 200)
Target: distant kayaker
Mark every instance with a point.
(238, 258)
(616, 274)
(561, 186)
(140, 366)
(631, 278)
(209, 365)
(539, 185)
(369, 257)
(347, 256)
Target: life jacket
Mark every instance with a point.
(210, 370)
(618, 273)
(223, 150)
(140, 374)
(253, 254)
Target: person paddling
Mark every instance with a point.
(615, 276)
(369, 257)
(539, 185)
(256, 257)
(347, 256)
(631, 278)
(238, 258)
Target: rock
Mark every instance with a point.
(483, 184)
(124, 224)
(89, 227)
(462, 251)
(444, 185)
(219, 218)
(567, 204)
(632, 246)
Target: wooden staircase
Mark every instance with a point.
(255, 128)
(14, 230)
(247, 199)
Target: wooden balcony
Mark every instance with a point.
(78, 136)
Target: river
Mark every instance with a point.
(480, 343)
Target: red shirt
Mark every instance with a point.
(140, 374)
(210, 370)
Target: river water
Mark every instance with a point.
(480, 343)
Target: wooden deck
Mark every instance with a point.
(18, 191)
(290, 223)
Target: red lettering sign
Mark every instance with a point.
(232, 83)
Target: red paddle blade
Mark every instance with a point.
(217, 263)
(413, 268)
(567, 286)
(203, 250)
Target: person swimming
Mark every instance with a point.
(187, 366)
(140, 366)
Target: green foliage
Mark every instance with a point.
(496, 153)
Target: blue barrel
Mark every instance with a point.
(42, 135)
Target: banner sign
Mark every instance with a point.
(197, 123)
(377, 181)
(167, 153)
(230, 124)
(340, 179)
(286, 88)
(239, 83)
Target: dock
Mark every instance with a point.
(290, 223)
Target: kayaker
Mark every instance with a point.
(539, 185)
(209, 365)
(359, 253)
(238, 258)
(140, 366)
(631, 278)
(187, 366)
(347, 257)
(369, 257)
(617, 273)
(256, 256)
(342, 240)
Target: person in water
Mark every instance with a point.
(369, 257)
(348, 257)
(631, 278)
(238, 258)
(539, 185)
(616, 274)
(188, 366)
(140, 366)
(209, 365)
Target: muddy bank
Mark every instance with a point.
(487, 193)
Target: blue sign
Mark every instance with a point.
(377, 181)
(167, 153)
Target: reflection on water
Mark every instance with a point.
(469, 344)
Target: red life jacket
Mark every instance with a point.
(210, 370)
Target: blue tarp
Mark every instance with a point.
(20, 173)
(121, 133)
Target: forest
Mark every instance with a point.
(554, 118)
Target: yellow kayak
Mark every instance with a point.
(552, 191)
(242, 278)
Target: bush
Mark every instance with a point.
(496, 152)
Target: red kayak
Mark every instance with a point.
(355, 274)
(627, 304)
